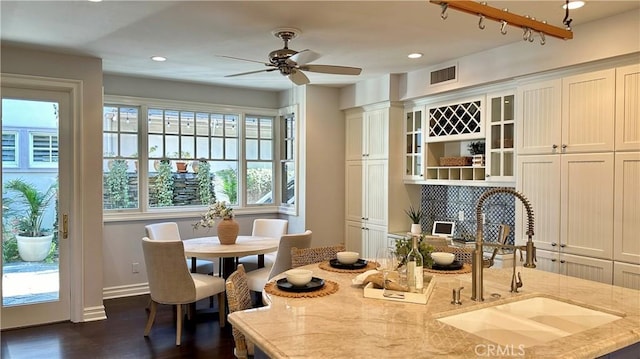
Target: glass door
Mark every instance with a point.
(35, 202)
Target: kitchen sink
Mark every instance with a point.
(529, 322)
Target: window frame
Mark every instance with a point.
(32, 149)
(16, 150)
(288, 208)
(144, 211)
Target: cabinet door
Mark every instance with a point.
(355, 191)
(539, 181)
(354, 137)
(376, 192)
(628, 108)
(500, 160)
(539, 114)
(548, 261)
(594, 269)
(376, 237)
(588, 112)
(413, 145)
(376, 141)
(626, 275)
(354, 236)
(586, 205)
(626, 231)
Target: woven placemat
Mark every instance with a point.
(327, 266)
(466, 268)
(330, 287)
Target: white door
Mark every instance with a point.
(36, 141)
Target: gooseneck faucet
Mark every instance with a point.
(478, 262)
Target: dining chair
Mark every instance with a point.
(265, 227)
(303, 256)
(239, 298)
(170, 282)
(258, 278)
(168, 231)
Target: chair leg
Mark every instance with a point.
(222, 313)
(178, 324)
(152, 317)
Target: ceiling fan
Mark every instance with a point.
(292, 63)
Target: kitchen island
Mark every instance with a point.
(348, 325)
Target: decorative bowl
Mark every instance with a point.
(348, 257)
(443, 258)
(299, 277)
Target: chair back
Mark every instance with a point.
(239, 298)
(304, 256)
(169, 279)
(283, 256)
(267, 227)
(165, 231)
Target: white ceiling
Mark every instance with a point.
(373, 35)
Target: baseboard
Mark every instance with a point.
(125, 290)
(91, 314)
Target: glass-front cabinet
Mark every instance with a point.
(413, 144)
(500, 160)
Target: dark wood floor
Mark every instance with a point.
(121, 336)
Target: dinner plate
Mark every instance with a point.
(453, 266)
(359, 264)
(315, 284)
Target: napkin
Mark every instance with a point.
(377, 279)
(359, 279)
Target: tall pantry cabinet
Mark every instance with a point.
(374, 190)
(569, 168)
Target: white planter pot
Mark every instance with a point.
(416, 228)
(34, 249)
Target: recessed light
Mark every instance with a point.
(574, 5)
(158, 58)
(415, 55)
(95, 0)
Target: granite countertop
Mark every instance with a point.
(347, 325)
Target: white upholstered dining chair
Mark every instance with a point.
(170, 282)
(259, 277)
(168, 231)
(265, 227)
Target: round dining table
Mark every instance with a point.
(211, 248)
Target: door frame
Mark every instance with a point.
(73, 129)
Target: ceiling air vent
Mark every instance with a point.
(444, 75)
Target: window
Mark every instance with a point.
(191, 154)
(9, 149)
(287, 163)
(44, 150)
(259, 159)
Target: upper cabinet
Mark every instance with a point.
(569, 115)
(499, 148)
(459, 120)
(413, 144)
(628, 108)
(367, 135)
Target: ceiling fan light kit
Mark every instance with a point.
(528, 24)
(292, 63)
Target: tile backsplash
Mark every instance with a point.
(443, 203)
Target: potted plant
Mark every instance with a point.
(416, 216)
(476, 148)
(34, 242)
(228, 228)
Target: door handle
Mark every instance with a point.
(65, 226)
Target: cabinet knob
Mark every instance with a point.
(563, 245)
(564, 146)
(553, 260)
(562, 261)
(554, 146)
(554, 244)
(487, 175)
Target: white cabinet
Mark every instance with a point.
(572, 199)
(628, 108)
(367, 135)
(413, 144)
(365, 238)
(626, 232)
(595, 269)
(626, 275)
(366, 191)
(569, 115)
(499, 150)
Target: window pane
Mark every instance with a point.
(129, 119)
(225, 180)
(45, 149)
(110, 144)
(217, 125)
(202, 147)
(231, 149)
(110, 119)
(265, 149)
(259, 182)
(9, 147)
(217, 148)
(266, 130)
(288, 190)
(251, 127)
(171, 122)
(129, 143)
(172, 147)
(156, 149)
(120, 184)
(187, 120)
(187, 147)
(155, 119)
(202, 124)
(251, 151)
(231, 126)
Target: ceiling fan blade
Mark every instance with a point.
(303, 57)
(241, 59)
(330, 69)
(298, 78)
(251, 72)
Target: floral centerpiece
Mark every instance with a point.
(227, 228)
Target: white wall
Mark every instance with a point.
(87, 219)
